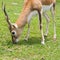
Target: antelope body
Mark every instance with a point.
(30, 8)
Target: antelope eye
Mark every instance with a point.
(13, 32)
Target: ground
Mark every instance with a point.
(31, 50)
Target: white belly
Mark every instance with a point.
(46, 7)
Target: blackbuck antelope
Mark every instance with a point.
(30, 8)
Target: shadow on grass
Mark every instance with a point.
(31, 41)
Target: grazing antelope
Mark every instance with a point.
(30, 8)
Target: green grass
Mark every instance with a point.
(31, 50)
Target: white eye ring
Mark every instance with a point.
(13, 32)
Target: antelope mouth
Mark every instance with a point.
(15, 40)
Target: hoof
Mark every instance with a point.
(54, 37)
(43, 43)
(26, 39)
(45, 35)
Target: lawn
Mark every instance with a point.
(32, 49)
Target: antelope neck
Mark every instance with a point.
(22, 20)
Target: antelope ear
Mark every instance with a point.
(14, 25)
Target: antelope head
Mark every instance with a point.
(13, 28)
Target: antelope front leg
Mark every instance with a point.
(53, 18)
(28, 32)
(28, 21)
(47, 23)
(41, 27)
